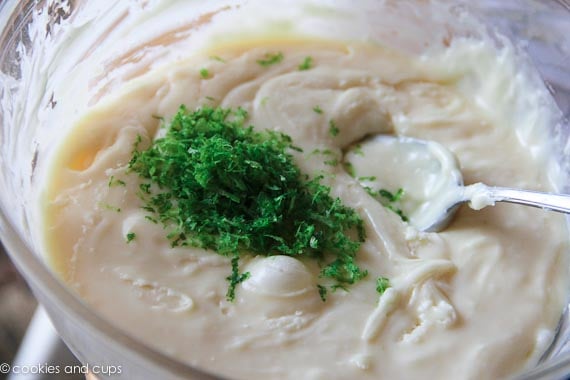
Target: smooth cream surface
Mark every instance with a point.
(426, 171)
(480, 300)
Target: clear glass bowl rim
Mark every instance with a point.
(46, 286)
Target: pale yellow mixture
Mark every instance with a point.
(479, 300)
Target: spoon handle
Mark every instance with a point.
(546, 201)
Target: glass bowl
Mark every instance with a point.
(540, 28)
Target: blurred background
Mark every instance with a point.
(17, 305)
(18, 317)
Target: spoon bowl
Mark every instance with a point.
(429, 177)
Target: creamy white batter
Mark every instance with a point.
(447, 288)
(479, 300)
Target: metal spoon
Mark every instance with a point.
(430, 177)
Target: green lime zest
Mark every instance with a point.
(204, 73)
(270, 59)
(130, 237)
(388, 199)
(217, 184)
(333, 129)
(116, 182)
(218, 58)
(382, 284)
(306, 64)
